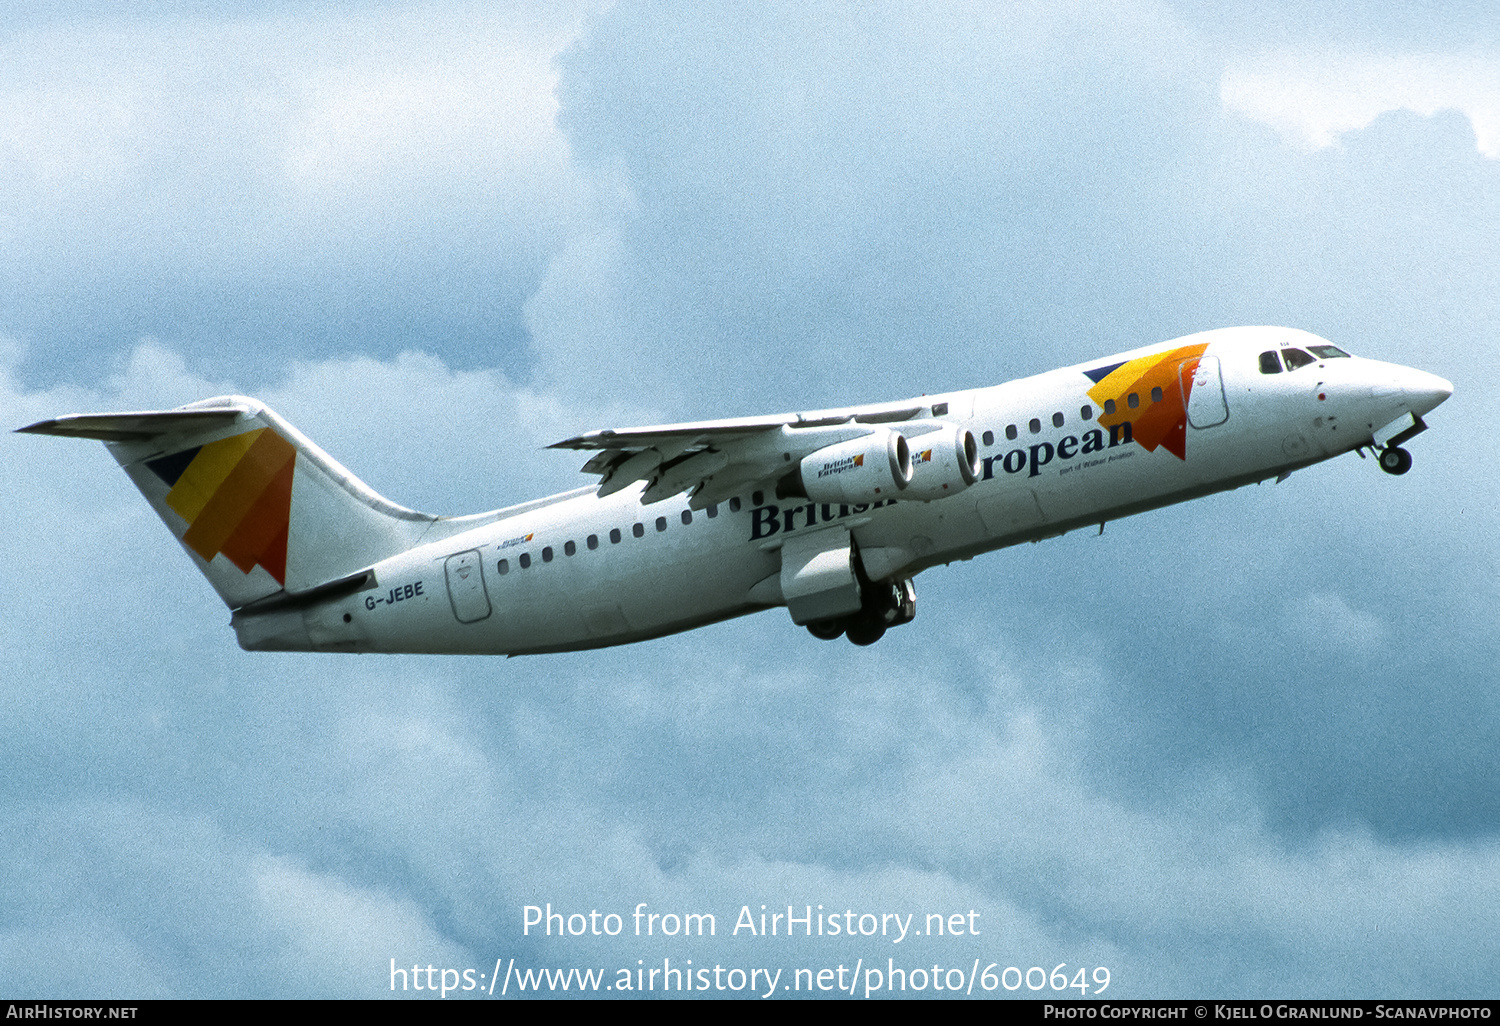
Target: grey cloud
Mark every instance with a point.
(1148, 749)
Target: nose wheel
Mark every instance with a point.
(1395, 460)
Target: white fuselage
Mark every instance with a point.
(581, 571)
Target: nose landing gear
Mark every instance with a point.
(1395, 460)
(1386, 443)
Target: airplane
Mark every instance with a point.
(830, 513)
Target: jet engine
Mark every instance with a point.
(862, 470)
(944, 462)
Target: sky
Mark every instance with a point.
(1236, 748)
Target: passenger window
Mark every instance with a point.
(614, 536)
(1270, 363)
(639, 530)
(1156, 394)
(1057, 420)
(503, 566)
(1296, 358)
(569, 548)
(713, 511)
(593, 542)
(756, 498)
(1011, 432)
(525, 560)
(687, 517)
(1035, 426)
(547, 554)
(1132, 400)
(1086, 412)
(1109, 407)
(661, 523)
(734, 504)
(989, 438)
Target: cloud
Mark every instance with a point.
(1242, 745)
(1314, 98)
(335, 933)
(284, 181)
(261, 121)
(1328, 621)
(778, 191)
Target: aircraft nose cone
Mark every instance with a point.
(1425, 391)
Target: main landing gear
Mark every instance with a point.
(886, 604)
(1395, 460)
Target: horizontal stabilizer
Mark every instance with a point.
(135, 427)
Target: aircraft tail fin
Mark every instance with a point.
(258, 506)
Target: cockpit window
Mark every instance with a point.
(1326, 352)
(1296, 358)
(1270, 363)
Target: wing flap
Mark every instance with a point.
(689, 472)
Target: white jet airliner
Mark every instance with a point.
(829, 513)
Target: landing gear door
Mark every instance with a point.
(465, 573)
(1203, 386)
(817, 575)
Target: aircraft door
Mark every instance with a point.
(465, 574)
(1204, 387)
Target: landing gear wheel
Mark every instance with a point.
(864, 631)
(1395, 460)
(825, 630)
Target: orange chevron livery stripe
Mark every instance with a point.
(1161, 423)
(236, 496)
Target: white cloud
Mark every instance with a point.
(1326, 621)
(233, 137)
(336, 937)
(1314, 98)
(466, 112)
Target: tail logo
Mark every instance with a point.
(236, 496)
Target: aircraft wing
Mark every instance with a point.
(716, 458)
